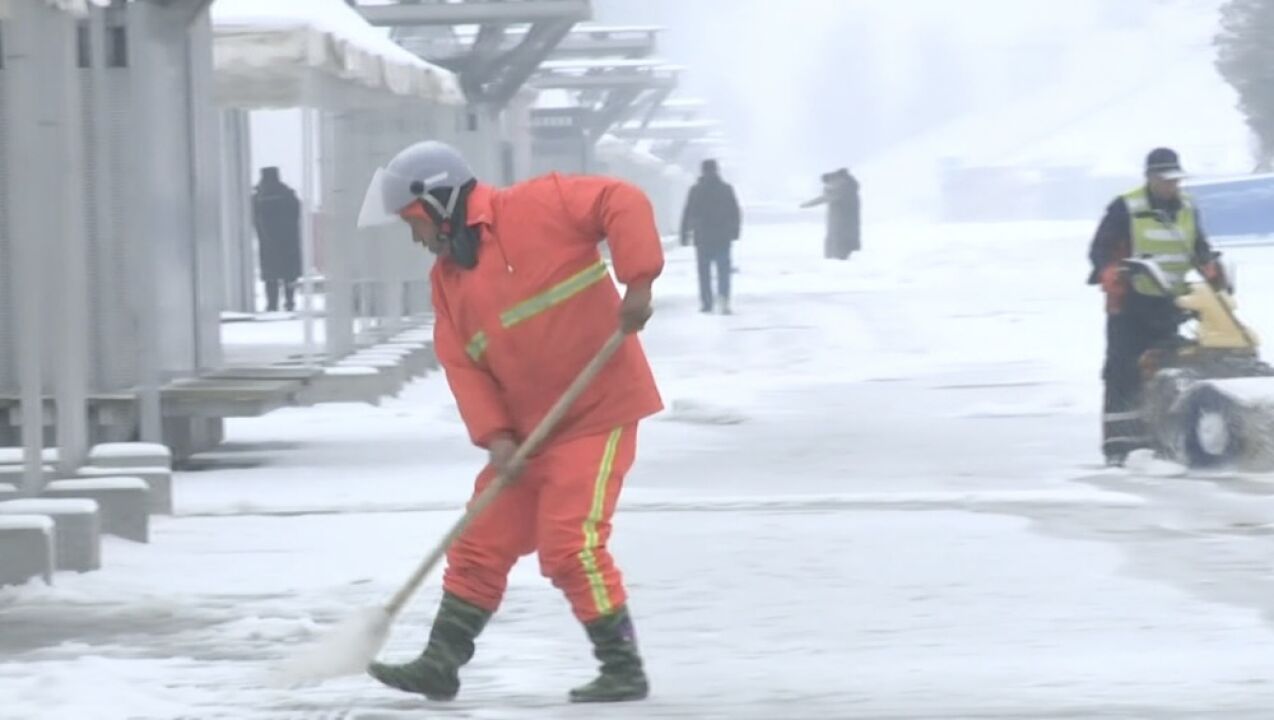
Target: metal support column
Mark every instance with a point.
(307, 232)
(238, 260)
(338, 191)
(205, 160)
(30, 136)
(66, 292)
(146, 226)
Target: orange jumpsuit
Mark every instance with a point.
(511, 334)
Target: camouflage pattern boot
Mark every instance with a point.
(436, 673)
(615, 645)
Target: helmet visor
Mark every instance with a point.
(376, 211)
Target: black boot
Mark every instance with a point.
(436, 673)
(615, 645)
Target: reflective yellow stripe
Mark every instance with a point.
(1171, 246)
(477, 346)
(588, 556)
(527, 309)
(561, 292)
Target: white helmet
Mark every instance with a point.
(412, 175)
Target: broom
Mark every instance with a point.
(350, 646)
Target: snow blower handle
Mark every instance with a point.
(525, 449)
(1163, 219)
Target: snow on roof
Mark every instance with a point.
(555, 99)
(267, 51)
(612, 148)
(606, 64)
(77, 6)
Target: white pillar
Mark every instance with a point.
(145, 223)
(205, 162)
(66, 271)
(339, 186)
(238, 260)
(31, 133)
(307, 232)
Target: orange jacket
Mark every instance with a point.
(513, 332)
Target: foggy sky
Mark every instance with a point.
(808, 85)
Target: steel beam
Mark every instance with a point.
(667, 131)
(516, 67)
(470, 13)
(617, 107)
(607, 81)
(625, 43)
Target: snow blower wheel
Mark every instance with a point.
(1212, 430)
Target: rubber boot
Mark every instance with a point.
(615, 645)
(436, 673)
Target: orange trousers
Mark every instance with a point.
(560, 507)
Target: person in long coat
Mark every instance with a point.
(276, 214)
(840, 194)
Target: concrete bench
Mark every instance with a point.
(391, 370)
(416, 355)
(127, 455)
(345, 384)
(159, 481)
(123, 503)
(17, 456)
(77, 530)
(14, 474)
(26, 548)
(223, 398)
(413, 363)
(264, 372)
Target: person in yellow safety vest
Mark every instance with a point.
(1159, 222)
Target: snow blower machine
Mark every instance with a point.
(1208, 398)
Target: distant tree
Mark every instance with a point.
(1245, 57)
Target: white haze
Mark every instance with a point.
(893, 87)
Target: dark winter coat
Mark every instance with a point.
(711, 217)
(276, 213)
(843, 217)
(840, 195)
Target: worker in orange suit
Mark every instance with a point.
(523, 301)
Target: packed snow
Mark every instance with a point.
(876, 492)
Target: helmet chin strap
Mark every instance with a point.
(463, 241)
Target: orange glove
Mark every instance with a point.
(1114, 282)
(1215, 275)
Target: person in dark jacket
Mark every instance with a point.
(712, 220)
(840, 194)
(1157, 222)
(276, 213)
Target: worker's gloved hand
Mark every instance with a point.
(1114, 279)
(500, 453)
(635, 311)
(1214, 273)
(1114, 282)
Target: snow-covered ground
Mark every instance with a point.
(875, 494)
